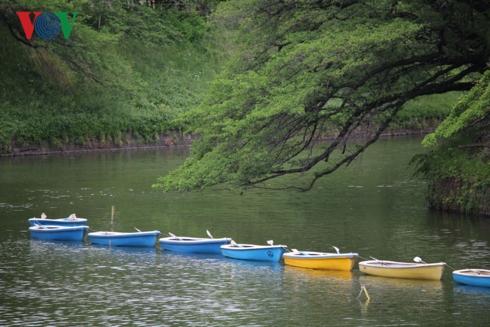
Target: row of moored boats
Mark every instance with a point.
(74, 229)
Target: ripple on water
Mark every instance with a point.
(373, 207)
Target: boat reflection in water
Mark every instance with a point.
(40, 247)
(336, 275)
(192, 255)
(253, 265)
(484, 292)
(124, 250)
(309, 280)
(419, 285)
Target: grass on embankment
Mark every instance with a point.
(425, 112)
(123, 82)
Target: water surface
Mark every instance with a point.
(373, 207)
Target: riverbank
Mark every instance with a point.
(94, 145)
(460, 196)
(55, 134)
(170, 139)
(457, 181)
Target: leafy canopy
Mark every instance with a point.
(460, 146)
(305, 69)
(470, 112)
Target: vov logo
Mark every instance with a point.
(47, 25)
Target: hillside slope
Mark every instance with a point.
(125, 72)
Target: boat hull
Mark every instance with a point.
(341, 264)
(272, 254)
(61, 233)
(427, 272)
(211, 246)
(481, 281)
(58, 222)
(144, 239)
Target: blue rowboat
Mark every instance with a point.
(473, 277)
(254, 252)
(193, 244)
(124, 239)
(58, 233)
(72, 220)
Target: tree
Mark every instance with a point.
(308, 69)
(457, 165)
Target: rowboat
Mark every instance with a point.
(72, 220)
(254, 252)
(410, 270)
(58, 233)
(193, 244)
(124, 239)
(473, 277)
(320, 260)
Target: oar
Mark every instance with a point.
(373, 258)
(419, 260)
(364, 290)
(450, 267)
(113, 213)
(137, 229)
(209, 234)
(173, 235)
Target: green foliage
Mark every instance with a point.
(457, 166)
(306, 69)
(126, 72)
(472, 108)
(425, 112)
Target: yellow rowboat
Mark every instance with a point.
(320, 260)
(410, 270)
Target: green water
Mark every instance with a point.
(374, 207)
